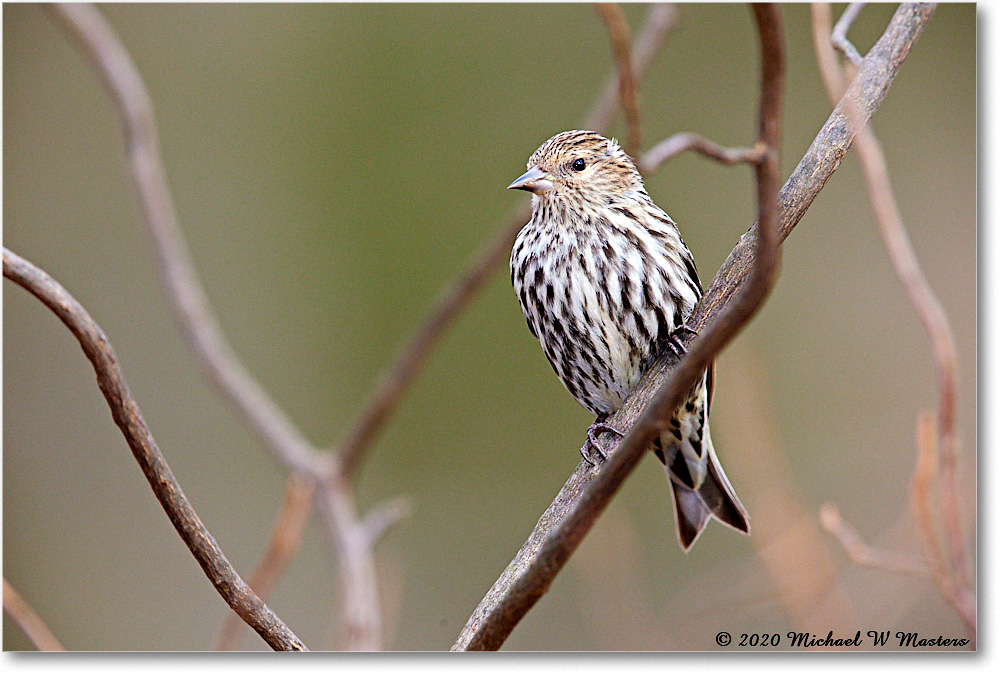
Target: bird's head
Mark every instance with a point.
(580, 164)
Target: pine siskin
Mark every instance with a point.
(605, 283)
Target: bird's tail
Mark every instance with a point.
(715, 497)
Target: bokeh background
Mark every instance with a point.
(334, 167)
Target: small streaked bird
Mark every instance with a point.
(605, 283)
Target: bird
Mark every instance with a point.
(606, 283)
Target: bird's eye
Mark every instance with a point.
(578, 165)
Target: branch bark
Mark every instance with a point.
(127, 415)
(529, 574)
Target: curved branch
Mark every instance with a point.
(129, 419)
(670, 147)
(562, 525)
(27, 619)
(216, 358)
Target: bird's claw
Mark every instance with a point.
(592, 441)
(674, 340)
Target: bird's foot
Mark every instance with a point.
(592, 441)
(674, 339)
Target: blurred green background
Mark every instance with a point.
(334, 167)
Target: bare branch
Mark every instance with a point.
(281, 549)
(952, 589)
(528, 575)
(614, 21)
(786, 536)
(660, 21)
(907, 269)
(838, 37)
(669, 148)
(363, 615)
(27, 619)
(129, 418)
(863, 554)
(383, 517)
(586, 495)
(397, 378)
(216, 358)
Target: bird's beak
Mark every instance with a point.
(534, 180)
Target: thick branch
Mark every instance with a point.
(528, 576)
(126, 414)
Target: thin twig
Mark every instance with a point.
(628, 94)
(920, 294)
(27, 619)
(838, 37)
(399, 375)
(216, 358)
(788, 540)
(569, 519)
(958, 595)
(669, 148)
(863, 554)
(281, 548)
(383, 517)
(129, 418)
(528, 575)
(660, 21)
